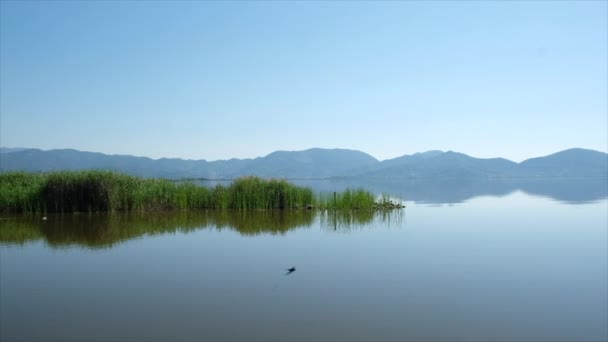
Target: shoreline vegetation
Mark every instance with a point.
(108, 191)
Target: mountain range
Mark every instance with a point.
(317, 163)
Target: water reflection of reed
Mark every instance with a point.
(107, 230)
(345, 221)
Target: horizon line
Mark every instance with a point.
(292, 151)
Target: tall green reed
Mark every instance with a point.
(107, 191)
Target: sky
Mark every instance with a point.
(220, 80)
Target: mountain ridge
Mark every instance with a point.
(315, 163)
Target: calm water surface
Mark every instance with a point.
(513, 266)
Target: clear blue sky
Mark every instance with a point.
(215, 80)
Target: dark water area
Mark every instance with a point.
(493, 262)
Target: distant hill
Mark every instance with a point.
(314, 162)
(9, 149)
(67, 159)
(317, 163)
(576, 162)
(300, 164)
(437, 164)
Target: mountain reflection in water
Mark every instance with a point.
(440, 191)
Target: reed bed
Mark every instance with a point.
(347, 200)
(107, 191)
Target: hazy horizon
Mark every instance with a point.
(221, 80)
(306, 149)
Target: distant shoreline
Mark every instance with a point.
(316, 164)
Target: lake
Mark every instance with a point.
(516, 260)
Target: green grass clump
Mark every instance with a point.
(107, 191)
(256, 193)
(21, 191)
(347, 200)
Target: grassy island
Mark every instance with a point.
(107, 191)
